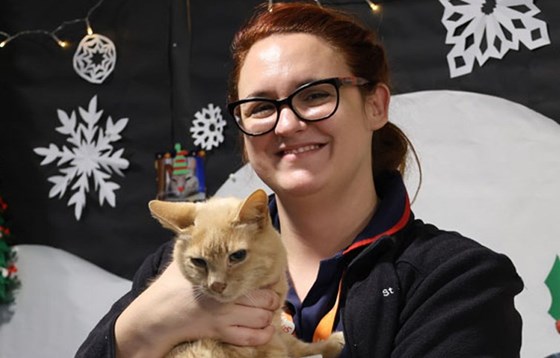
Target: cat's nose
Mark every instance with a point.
(218, 287)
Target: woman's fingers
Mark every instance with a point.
(235, 315)
(243, 336)
(245, 322)
(263, 298)
(251, 317)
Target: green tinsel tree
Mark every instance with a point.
(9, 281)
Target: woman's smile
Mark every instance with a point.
(298, 150)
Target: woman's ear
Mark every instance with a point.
(377, 106)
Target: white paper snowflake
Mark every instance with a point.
(91, 155)
(207, 128)
(480, 29)
(95, 58)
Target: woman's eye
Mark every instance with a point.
(315, 97)
(198, 262)
(238, 256)
(260, 110)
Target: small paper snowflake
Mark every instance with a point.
(208, 127)
(92, 156)
(95, 58)
(480, 29)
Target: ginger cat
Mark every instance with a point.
(226, 248)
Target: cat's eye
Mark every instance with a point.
(238, 256)
(198, 262)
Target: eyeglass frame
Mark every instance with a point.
(337, 82)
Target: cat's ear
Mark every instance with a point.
(176, 216)
(254, 209)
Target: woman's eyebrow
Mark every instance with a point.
(268, 94)
(261, 93)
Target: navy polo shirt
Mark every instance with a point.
(391, 215)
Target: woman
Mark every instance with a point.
(309, 90)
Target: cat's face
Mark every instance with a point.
(225, 247)
(227, 262)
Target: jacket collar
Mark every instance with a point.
(391, 216)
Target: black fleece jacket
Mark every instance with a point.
(429, 293)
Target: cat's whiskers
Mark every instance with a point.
(198, 292)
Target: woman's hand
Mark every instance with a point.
(166, 314)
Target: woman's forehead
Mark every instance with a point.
(288, 60)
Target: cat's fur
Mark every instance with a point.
(242, 252)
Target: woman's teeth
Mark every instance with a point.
(306, 148)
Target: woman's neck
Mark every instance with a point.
(318, 226)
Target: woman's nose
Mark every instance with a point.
(288, 122)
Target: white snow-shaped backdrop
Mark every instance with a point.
(207, 128)
(483, 29)
(91, 156)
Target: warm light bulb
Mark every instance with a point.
(3, 43)
(89, 31)
(374, 7)
(62, 43)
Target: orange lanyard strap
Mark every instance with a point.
(326, 325)
(323, 329)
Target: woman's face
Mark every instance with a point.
(301, 158)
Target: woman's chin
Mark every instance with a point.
(296, 186)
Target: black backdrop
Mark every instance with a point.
(173, 60)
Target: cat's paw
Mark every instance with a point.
(334, 345)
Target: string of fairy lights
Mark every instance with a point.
(95, 56)
(375, 7)
(54, 33)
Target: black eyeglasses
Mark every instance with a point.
(314, 101)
